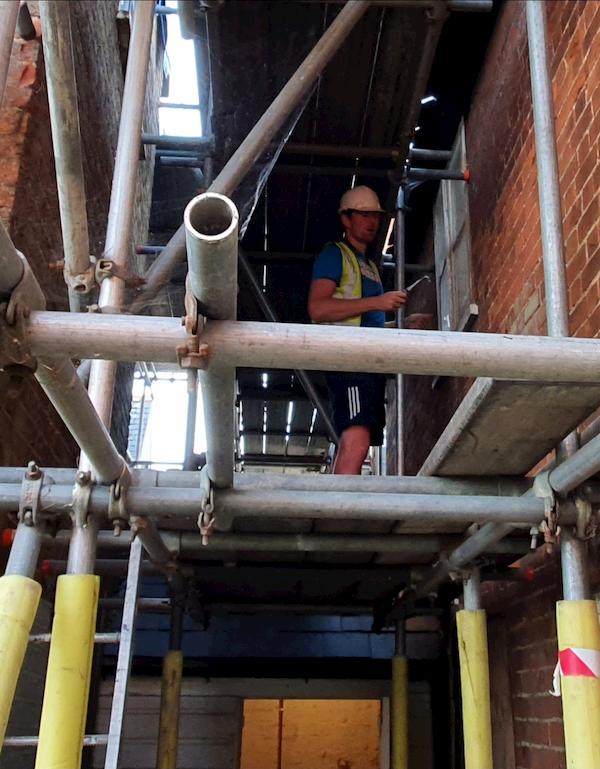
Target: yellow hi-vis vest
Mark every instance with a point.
(351, 281)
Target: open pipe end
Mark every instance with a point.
(211, 217)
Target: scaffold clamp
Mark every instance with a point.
(206, 518)
(549, 526)
(192, 354)
(31, 489)
(106, 268)
(82, 492)
(463, 574)
(15, 357)
(587, 523)
(117, 508)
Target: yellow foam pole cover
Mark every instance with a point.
(170, 698)
(579, 638)
(64, 709)
(475, 688)
(399, 712)
(19, 599)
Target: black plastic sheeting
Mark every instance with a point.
(288, 203)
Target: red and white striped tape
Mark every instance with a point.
(574, 661)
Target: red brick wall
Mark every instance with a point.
(29, 426)
(503, 194)
(509, 290)
(503, 197)
(529, 610)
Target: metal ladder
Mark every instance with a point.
(124, 639)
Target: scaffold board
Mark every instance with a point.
(505, 427)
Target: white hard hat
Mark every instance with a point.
(360, 199)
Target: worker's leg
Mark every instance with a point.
(353, 448)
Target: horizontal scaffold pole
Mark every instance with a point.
(391, 484)
(186, 544)
(172, 503)
(403, 507)
(327, 348)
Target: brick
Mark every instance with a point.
(542, 706)
(556, 733)
(13, 122)
(589, 220)
(595, 98)
(28, 75)
(523, 756)
(547, 759)
(590, 272)
(592, 246)
(532, 731)
(587, 166)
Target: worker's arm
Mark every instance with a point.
(324, 307)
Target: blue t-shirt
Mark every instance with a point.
(328, 264)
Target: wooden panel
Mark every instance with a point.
(261, 735)
(506, 427)
(311, 734)
(334, 734)
(321, 734)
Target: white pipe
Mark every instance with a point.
(170, 504)
(555, 278)
(9, 11)
(58, 376)
(66, 140)
(69, 397)
(211, 230)
(122, 201)
(184, 544)
(573, 553)
(327, 348)
(118, 244)
(211, 227)
(410, 484)
(12, 267)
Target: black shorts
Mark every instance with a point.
(358, 399)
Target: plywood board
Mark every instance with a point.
(506, 427)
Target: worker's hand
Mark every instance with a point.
(419, 320)
(391, 300)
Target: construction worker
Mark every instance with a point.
(346, 290)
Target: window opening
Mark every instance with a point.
(157, 424)
(179, 112)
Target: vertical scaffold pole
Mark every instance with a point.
(68, 676)
(578, 634)
(64, 708)
(170, 694)
(577, 619)
(474, 678)
(9, 11)
(399, 250)
(399, 701)
(19, 600)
